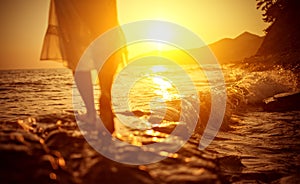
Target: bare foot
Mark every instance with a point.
(94, 122)
(87, 118)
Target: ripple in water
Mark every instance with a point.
(255, 143)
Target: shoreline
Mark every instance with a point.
(56, 152)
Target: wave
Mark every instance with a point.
(244, 89)
(254, 87)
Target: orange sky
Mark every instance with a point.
(24, 22)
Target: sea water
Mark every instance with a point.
(264, 142)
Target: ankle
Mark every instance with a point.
(91, 113)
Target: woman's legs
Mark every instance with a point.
(106, 114)
(106, 78)
(84, 84)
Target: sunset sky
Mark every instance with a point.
(23, 23)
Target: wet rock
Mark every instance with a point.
(88, 166)
(21, 141)
(109, 172)
(24, 159)
(231, 163)
(171, 171)
(58, 153)
(62, 141)
(282, 102)
(256, 177)
(293, 179)
(17, 166)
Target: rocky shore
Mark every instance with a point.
(53, 150)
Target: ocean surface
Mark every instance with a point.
(264, 143)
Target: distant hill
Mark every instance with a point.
(235, 50)
(227, 50)
(231, 50)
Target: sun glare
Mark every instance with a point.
(163, 84)
(164, 87)
(149, 48)
(161, 30)
(158, 68)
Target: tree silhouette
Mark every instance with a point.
(282, 40)
(275, 9)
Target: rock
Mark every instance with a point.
(26, 159)
(293, 179)
(60, 154)
(282, 102)
(231, 163)
(107, 171)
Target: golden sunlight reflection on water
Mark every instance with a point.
(158, 68)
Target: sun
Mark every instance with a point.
(161, 37)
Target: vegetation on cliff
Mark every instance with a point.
(281, 45)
